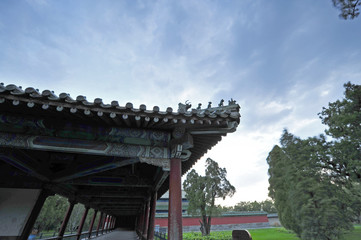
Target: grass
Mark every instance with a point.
(272, 234)
(265, 234)
(257, 234)
(354, 235)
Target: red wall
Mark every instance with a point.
(163, 222)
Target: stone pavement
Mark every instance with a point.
(119, 234)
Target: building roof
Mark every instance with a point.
(86, 121)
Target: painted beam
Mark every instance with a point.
(46, 143)
(120, 208)
(105, 201)
(37, 126)
(119, 205)
(23, 162)
(93, 168)
(112, 195)
(110, 181)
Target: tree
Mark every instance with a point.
(267, 206)
(280, 187)
(201, 191)
(307, 199)
(349, 8)
(315, 183)
(52, 213)
(343, 119)
(75, 217)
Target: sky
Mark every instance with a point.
(282, 61)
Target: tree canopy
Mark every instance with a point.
(315, 183)
(349, 8)
(52, 214)
(266, 206)
(201, 191)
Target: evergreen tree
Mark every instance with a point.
(52, 213)
(349, 8)
(308, 201)
(201, 191)
(343, 119)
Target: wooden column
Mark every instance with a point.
(109, 223)
(34, 214)
(146, 219)
(114, 221)
(141, 220)
(99, 223)
(153, 202)
(82, 223)
(105, 219)
(92, 223)
(175, 201)
(66, 219)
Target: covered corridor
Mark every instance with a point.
(117, 160)
(119, 234)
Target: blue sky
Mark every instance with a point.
(281, 60)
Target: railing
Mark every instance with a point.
(160, 236)
(84, 235)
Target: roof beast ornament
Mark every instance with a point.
(183, 107)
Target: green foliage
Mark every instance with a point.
(75, 217)
(201, 191)
(219, 235)
(349, 8)
(52, 213)
(315, 183)
(257, 234)
(272, 234)
(267, 206)
(343, 120)
(265, 234)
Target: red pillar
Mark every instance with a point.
(66, 219)
(175, 201)
(113, 225)
(92, 223)
(82, 223)
(105, 219)
(99, 223)
(110, 223)
(141, 220)
(153, 202)
(146, 219)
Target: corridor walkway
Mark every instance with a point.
(119, 234)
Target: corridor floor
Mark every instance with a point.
(119, 234)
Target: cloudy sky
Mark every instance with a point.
(281, 60)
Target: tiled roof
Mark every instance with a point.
(116, 114)
(206, 125)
